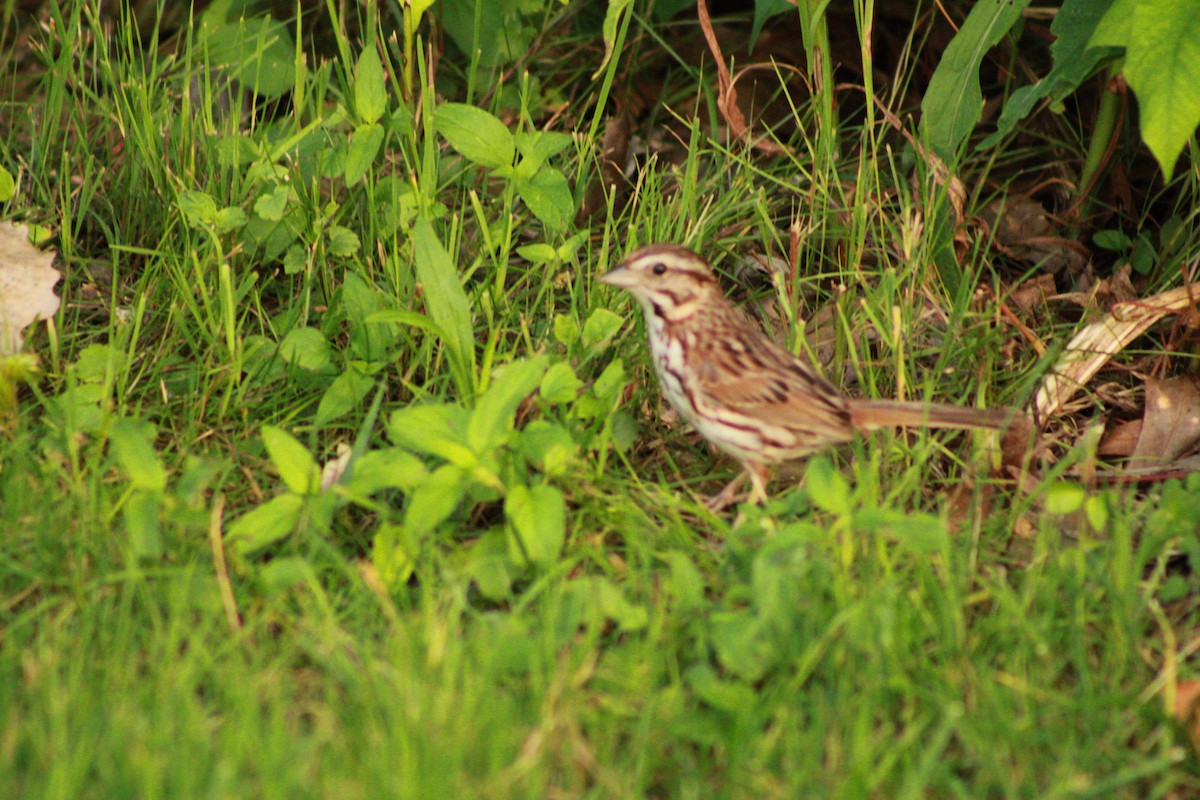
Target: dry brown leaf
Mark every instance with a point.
(1022, 230)
(27, 280)
(1187, 708)
(1120, 440)
(727, 97)
(1096, 344)
(1171, 427)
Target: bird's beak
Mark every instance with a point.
(619, 276)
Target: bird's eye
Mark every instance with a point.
(659, 269)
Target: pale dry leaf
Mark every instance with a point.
(1096, 344)
(27, 280)
(1171, 426)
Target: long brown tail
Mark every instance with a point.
(869, 415)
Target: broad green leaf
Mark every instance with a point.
(548, 196)
(828, 488)
(742, 642)
(142, 524)
(293, 461)
(368, 138)
(370, 95)
(609, 385)
(492, 417)
(601, 326)
(284, 573)
(547, 446)
(560, 384)
(198, 208)
(479, 136)
(953, 102)
(345, 394)
(386, 468)
(137, 456)
(437, 430)
(8, 186)
(341, 241)
(537, 147)
(488, 564)
(435, 499)
(1162, 64)
(1064, 497)
(271, 205)
(603, 601)
(1074, 62)
(537, 523)
(266, 524)
(307, 349)
(229, 219)
(371, 340)
(257, 49)
(446, 302)
(566, 329)
(393, 555)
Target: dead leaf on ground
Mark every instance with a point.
(1171, 426)
(1187, 708)
(1022, 230)
(1096, 344)
(27, 280)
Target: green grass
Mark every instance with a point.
(516, 591)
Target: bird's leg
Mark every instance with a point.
(758, 493)
(727, 495)
(758, 476)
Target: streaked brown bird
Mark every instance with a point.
(747, 395)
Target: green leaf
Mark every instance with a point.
(293, 461)
(548, 196)
(566, 329)
(307, 349)
(601, 326)
(435, 499)
(827, 487)
(953, 102)
(345, 394)
(368, 138)
(612, 20)
(548, 446)
(370, 340)
(1064, 497)
(341, 241)
(1074, 63)
(488, 567)
(385, 468)
(538, 147)
(284, 573)
(436, 430)
(393, 554)
(479, 136)
(142, 524)
(446, 302)
(257, 50)
(370, 96)
(559, 384)
(1162, 64)
(492, 418)
(604, 601)
(131, 443)
(8, 186)
(266, 524)
(229, 219)
(198, 208)
(271, 205)
(537, 522)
